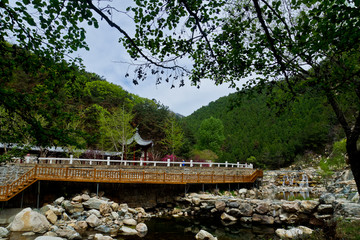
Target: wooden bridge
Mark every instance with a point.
(118, 174)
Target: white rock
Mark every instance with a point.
(141, 228)
(99, 236)
(128, 231)
(227, 217)
(93, 221)
(29, 220)
(59, 200)
(202, 235)
(130, 222)
(4, 232)
(49, 238)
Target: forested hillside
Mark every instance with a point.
(268, 135)
(46, 103)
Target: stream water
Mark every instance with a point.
(186, 229)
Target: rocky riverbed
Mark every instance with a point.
(91, 216)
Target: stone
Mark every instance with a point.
(49, 238)
(246, 209)
(306, 230)
(325, 209)
(72, 207)
(141, 228)
(130, 222)
(263, 219)
(51, 216)
(93, 221)
(327, 198)
(220, 205)
(281, 233)
(115, 206)
(234, 212)
(128, 231)
(66, 217)
(51, 234)
(242, 191)
(293, 233)
(85, 197)
(99, 236)
(262, 208)
(103, 229)
(105, 209)
(77, 199)
(140, 210)
(93, 203)
(196, 201)
(291, 207)
(124, 206)
(232, 204)
(4, 232)
(29, 220)
(59, 200)
(68, 233)
(347, 210)
(95, 212)
(115, 215)
(204, 235)
(308, 206)
(227, 217)
(81, 225)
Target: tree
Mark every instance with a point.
(294, 44)
(211, 135)
(116, 129)
(174, 135)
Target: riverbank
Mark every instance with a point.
(91, 216)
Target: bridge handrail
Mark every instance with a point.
(108, 161)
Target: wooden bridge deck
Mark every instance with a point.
(80, 174)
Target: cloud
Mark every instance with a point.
(106, 53)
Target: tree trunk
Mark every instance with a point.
(354, 160)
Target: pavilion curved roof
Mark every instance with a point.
(139, 140)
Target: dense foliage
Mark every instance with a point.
(269, 138)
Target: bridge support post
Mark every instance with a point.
(168, 162)
(108, 161)
(226, 164)
(38, 196)
(71, 159)
(97, 189)
(191, 163)
(22, 199)
(203, 188)
(229, 187)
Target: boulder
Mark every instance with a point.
(115, 206)
(291, 207)
(4, 232)
(103, 228)
(99, 236)
(105, 209)
(29, 220)
(85, 197)
(232, 204)
(93, 203)
(325, 208)
(327, 198)
(93, 221)
(263, 219)
(130, 222)
(51, 216)
(81, 225)
(227, 217)
(347, 209)
(141, 228)
(293, 233)
(115, 215)
(246, 209)
(234, 212)
(262, 208)
(95, 212)
(204, 235)
(308, 206)
(77, 199)
(72, 207)
(128, 231)
(68, 233)
(59, 200)
(49, 238)
(196, 201)
(220, 205)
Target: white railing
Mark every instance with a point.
(108, 161)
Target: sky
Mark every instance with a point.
(104, 59)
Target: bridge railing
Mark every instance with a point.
(71, 160)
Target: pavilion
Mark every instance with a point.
(140, 143)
